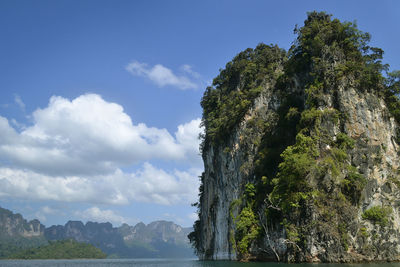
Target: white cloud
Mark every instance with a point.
(76, 149)
(189, 69)
(89, 135)
(149, 184)
(193, 216)
(48, 210)
(30, 185)
(153, 185)
(17, 124)
(162, 76)
(188, 136)
(19, 102)
(44, 211)
(98, 215)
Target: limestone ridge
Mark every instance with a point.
(159, 239)
(301, 152)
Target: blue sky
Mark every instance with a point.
(99, 100)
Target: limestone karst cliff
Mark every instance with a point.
(301, 152)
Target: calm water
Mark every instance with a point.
(169, 263)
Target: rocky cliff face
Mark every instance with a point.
(224, 179)
(14, 225)
(309, 169)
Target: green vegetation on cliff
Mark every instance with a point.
(378, 215)
(303, 161)
(247, 227)
(235, 88)
(65, 249)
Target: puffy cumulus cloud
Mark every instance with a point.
(163, 76)
(98, 215)
(149, 184)
(154, 185)
(15, 183)
(188, 135)
(89, 135)
(76, 149)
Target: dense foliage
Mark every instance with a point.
(329, 50)
(11, 245)
(235, 88)
(246, 222)
(65, 249)
(377, 215)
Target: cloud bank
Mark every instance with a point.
(76, 151)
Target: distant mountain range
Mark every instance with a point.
(160, 239)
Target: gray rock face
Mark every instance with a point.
(333, 221)
(228, 167)
(14, 225)
(224, 178)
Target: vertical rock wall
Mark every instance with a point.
(301, 152)
(375, 155)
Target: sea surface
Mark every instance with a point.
(170, 263)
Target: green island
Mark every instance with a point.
(62, 249)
